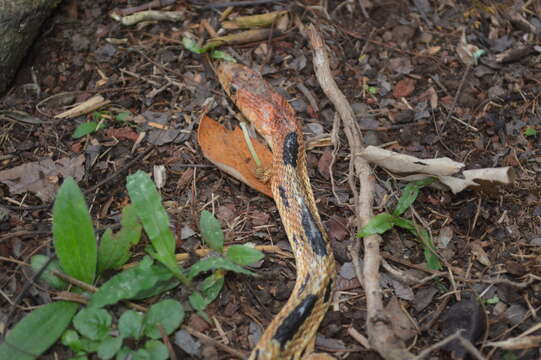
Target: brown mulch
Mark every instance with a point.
(389, 66)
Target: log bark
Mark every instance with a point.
(20, 23)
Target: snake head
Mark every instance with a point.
(226, 75)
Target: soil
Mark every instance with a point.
(402, 72)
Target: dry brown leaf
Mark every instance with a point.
(41, 177)
(479, 253)
(228, 151)
(418, 169)
(404, 164)
(404, 88)
(400, 322)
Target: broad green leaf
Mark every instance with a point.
(385, 221)
(167, 313)
(222, 55)
(377, 225)
(124, 353)
(147, 202)
(37, 331)
(211, 286)
(123, 116)
(157, 350)
(142, 281)
(530, 131)
(38, 262)
(130, 324)
(79, 345)
(109, 347)
(87, 128)
(114, 250)
(81, 356)
(244, 254)
(210, 289)
(141, 354)
(214, 263)
(191, 45)
(71, 339)
(93, 323)
(73, 233)
(211, 231)
(89, 346)
(84, 129)
(197, 301)
(409, 195)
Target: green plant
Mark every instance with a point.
(80, 258)
(99, 121)
(380, 223)
(530, 132)
(191, 45)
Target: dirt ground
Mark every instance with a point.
(402, 72)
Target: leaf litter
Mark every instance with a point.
(404, 65)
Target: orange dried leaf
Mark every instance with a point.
(404, 88)
(228, 151)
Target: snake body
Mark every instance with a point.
(291, 334)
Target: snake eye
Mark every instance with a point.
(233, 90)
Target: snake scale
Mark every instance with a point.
(291, 334)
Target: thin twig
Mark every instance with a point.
(456, 336)
(381, 336)
(236, 353)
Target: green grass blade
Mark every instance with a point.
(409, 195)
(73, 233)
(37, 331)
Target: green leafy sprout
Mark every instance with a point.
(530, 132)
(136, 334)
(99, 122)
(191, 45)
(380, 223)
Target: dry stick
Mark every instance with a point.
(381, 336)
(456, 336)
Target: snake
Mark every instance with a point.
(291, 333)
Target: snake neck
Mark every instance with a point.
(294, 328)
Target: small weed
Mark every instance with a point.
(192, 46)
(385, 221)
(94, 329)
(99, 122)
(530, 132)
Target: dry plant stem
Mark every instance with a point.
(236, 353)
(380, 334)
(456, 336)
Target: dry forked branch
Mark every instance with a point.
(380, 334)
